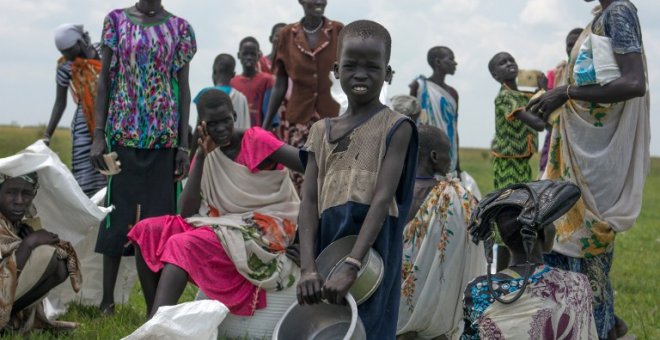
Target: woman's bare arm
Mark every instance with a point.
(58, 110)
(101, 106)
(631, 84)
(288, 156)
(276, 95)
(309, 286)
(191, 197)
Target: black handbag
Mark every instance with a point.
(540, 203)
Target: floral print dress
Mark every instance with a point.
(439, 260)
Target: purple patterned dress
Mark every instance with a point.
(143, 111)
(555, 305)
(143, 120)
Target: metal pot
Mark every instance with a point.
(322, 321)
(368, 278)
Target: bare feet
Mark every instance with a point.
(620, 327)
(407, 336)
(107, 309)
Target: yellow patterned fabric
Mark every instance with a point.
(604, 149)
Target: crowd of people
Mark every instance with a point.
(274, 173)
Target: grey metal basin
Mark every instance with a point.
(368, 278)
(322, 321)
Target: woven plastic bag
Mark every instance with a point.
(584, 72)
(197, 320)
(607, 70)
(595, 62)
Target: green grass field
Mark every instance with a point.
(635, 267)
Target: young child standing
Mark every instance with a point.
(224, 67)
(255, 85)
(516, 136)
(358, 181)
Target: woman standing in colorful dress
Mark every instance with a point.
(141, 114)
(77, 70)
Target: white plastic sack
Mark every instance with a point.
(65, 210)
(584, 72)
(197, 320)
(607, 70)
(91, 290)
(595, 63)
(62, 206)
(471, 185)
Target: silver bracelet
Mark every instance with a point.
(184, 149)
(355, 262)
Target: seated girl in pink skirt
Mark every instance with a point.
(238, 214)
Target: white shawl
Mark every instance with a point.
(605, 151)
(238, 194)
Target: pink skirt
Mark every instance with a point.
(169, 239)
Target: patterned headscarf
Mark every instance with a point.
(31, 178)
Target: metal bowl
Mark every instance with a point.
(368, 278)
(322, 321)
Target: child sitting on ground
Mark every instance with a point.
(34, 260)
(527, 300)
(438, 257)
(255, 85)
(358, 181)
(224, 67)
(237, 206)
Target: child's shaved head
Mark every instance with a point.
(247, 40)
(495, 58)
(433, 139)
(436, 52)
(212, 98)
(366, 29)
(224, 64)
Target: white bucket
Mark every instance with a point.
(263, 322)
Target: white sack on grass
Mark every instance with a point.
(191, 320)
(65, 210)
(91, 290)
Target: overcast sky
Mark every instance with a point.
(532, 30)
